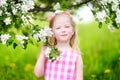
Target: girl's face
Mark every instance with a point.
(62, 28)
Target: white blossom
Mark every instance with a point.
(42, 38)
(22, 44)
(30, 18)
(58, 11)
(115, 1)
(117, 19)
(36, 36)
(110, 1)
(48, 31)
(24, 8)
(30, 4)
(59, 57)
(104, 2)
(110, 27)
(118, 12)
(4, 38)
(18, 6)
(24, 19)
(7, 21)
(8, 13)
(57, 6)
(14, 10)
(1, 12)
(101, 16)
(47, 51)
(114, 7)
(52, 60)
(91, 6)
(21, 39)
(43, 34)
(27, 5)
(3, 3)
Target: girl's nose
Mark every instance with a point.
(63, 30)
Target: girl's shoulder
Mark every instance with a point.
(76, 52)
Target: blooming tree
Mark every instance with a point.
(104, 11)
(14, 14)
(17, 15)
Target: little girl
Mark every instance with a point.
(70, 67)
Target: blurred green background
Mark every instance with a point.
(100, 52)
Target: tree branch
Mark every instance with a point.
(80, 4)
(38, 9)
(49, 7)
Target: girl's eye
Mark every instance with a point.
(57, 27)
(67, 26)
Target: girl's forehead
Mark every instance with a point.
(62, 20)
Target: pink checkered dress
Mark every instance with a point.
(63, 69)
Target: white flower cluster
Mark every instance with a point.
(101, 16)
(26, 19)
(43, 33)
(21, 39)
(109, 7)
(111, 28)
(4, 38)
(14, 9)
(27, 5)
(54, 59)
(56, 6)
(117, 19)
(7, 21)
(109, 1)
(3, 3)
(47, 52)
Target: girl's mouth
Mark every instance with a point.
(64, 35)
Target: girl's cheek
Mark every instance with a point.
(55, 34)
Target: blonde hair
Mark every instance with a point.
(73, 41)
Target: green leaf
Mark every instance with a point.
(9, 42)
(51, 55)
(115, 25)
(18, 22)
(100, 25)
(14, 45)
(107, 20)
(46, 43)
(31, 40)
(25, 44)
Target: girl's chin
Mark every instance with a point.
(63, 40)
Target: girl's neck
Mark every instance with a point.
(63, 46)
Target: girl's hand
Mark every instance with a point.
(43, 47)
(39, 67)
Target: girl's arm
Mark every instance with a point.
(39, 66)
(79, 68)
